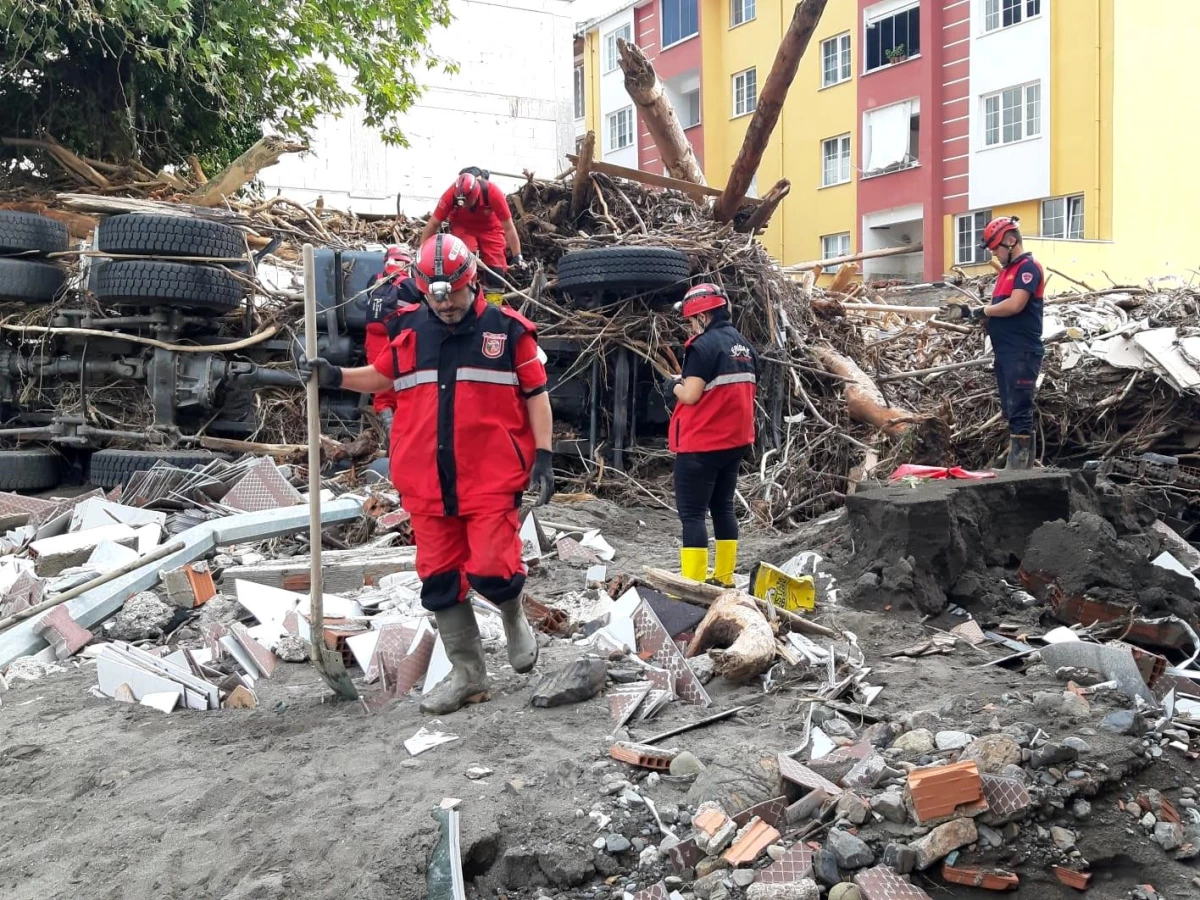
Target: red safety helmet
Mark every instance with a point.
(398, 258)
(443, 258)
(467, 190)
(995, 230)
(702, 298)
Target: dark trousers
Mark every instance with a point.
(705, 482)
(1016, 379)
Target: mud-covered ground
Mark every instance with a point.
(306, 797)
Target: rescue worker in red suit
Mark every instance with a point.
(472, 430)
(711, 429)
(393, 289)
(1014, 324)
(478, 213)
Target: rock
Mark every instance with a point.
(881, 734)
(825, 867)
(890, 805)
(686, 764)
(992, 753)
(1081, 810)
(806, 807)
(838, 727)
(852, 808)
(710, 865)
(922, 719)
(30, 668)
(1079, 745)
(579, 680)
(990, 836)
(519, 869)
(1075, 706)
(605, 865)
(617, 843)
(1048, 703)
(846, 891)
(704, 887)
(1167, 835)
(743, 878)
(630, 797)
(1063, 839)
(291, 648)
(849, 851)
(648, 858)
(143, 616)
(668, 841)
(776, 852)
(748, 778)
(804, 889)
(943, 839)
(952, 740)
(917, 742)
(703, 668)
(668, 812)
(1123, 721)
(1149, 821)
(900, 858)
(564, 866)
(1052, 755)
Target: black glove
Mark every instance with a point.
(959, 312)
(667, 386)
(515, 261)
(386, 418)
(541, 478)
(328, 375)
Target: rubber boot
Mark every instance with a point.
(725, 563)
(522, 644)
(467, 681)
(693, 563)
(1020, 451)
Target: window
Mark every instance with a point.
(752, 191)
(835, 60)
(891, 137)
(745, 92)
(612, 58)
(1005, 13)
(1012, 115)
(833, 246)
(1062, 217)
(893, 38)
(579, 92)
(680, 21)
(689, 109)
(740, 11)
(835, 157)
(620, 129)
(968, 238)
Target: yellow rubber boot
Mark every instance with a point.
(725, 563)
(693, 563)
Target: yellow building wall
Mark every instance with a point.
(591, 82)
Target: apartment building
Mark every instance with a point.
(913, 122)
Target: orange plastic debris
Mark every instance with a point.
(976, 876)
(1071, 878)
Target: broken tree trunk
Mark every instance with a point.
(737, 637)
(770, 104)
(648, 94)
(583, 174)
(853, 257)
(264, 154)
(760, 218)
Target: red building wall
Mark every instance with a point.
(672, 62)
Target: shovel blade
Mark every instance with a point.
(333, 671)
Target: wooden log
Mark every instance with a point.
(92, 203)
(863, 398)
(842, 279)
(74, 164)
(854, 257)
(264, 154)
(197, 169)
(649, 95)
(737, 637)
(759, 219)
(911, 312)
(770, 104)
(698, 192)
(582, 179)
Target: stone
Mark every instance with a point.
(1063, 839)
(825, 867)
(1123, 721)
(846, 891)
(748, 778)
(849, 851)
(806, 807)
(1048, 703)
(776, 852)
(914, 743)
(617, 843)
(804, 889)
(605, 865)
(952, 740)
(292, 648)
(648, 858)
(743, 878)
(1075, 706)
(143, 616)
(686, 764)
(704, 887)
(992, 753)
(890, 805)
(1081, 809)
(1167, 835)
(944, 839)
(881, 734)
(564, 866)
(922, 719)
(1079, 745)
(852, 808)
(990, 836)
(710, 865)
(519, 869)
(900, 858)
(668, 812)
(1149, 821)
(1052, 755)
(702, 667)
(579, 680)
(630, 797)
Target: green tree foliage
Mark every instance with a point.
(156, 80)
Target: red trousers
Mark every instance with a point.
(455, 553)
(488, 247)
(376, 342)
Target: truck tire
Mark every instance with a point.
(26, 232)
(143, 283)
(636, 268)
(29, 470)
(31, 282)
(169, 236)
(108, 468)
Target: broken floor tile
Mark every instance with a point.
(427, 739)
(796, 863)
(685, 855)
(1005, 796)
(881, 883)
(654, 892)
(800, 774)
(624, 700)
(773, 812)
(262, 487)
(653, 640)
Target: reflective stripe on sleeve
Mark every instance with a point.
(737, 378)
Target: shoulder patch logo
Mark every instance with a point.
(1027, 277)
(493, 344)
(739, 351)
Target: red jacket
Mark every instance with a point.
(724, 417)
(461, 440)
(388, 295)
(481, 228)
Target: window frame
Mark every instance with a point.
(1024, 7)
(826, 255)
(844, 65)
(734, 84)
(662, 23)
(741, 6)
(868, 24)
(1072, 208)
(979, 254)
(612, 36)
(845, 160)
(1029, 126)
(611, 121)
(580, 98)
(699, 109)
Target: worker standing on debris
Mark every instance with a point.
(712, 427)
(393, 290)
(473, 428)
(1014, 323)
(478, 213)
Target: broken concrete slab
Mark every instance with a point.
(143, 616)
(53, 554)
(1116, 663)
(109, 556)
(341, 570)
(98, 513)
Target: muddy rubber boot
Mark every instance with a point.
(1020, 451)
(522, 644)
(467, 681)
(693, 563)
(725, 563)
